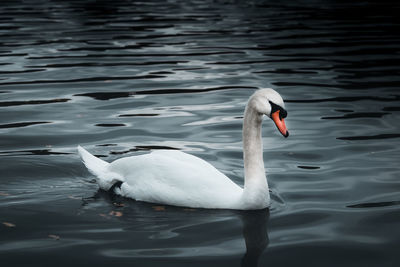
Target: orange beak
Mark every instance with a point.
(280, 123)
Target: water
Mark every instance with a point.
(124, 77)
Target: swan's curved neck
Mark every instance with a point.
(256, 190)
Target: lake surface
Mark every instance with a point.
(124, 77)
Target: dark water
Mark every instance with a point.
(123, 77)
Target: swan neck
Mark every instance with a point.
(252, 145)
(256, 191)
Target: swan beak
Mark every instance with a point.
(280, 123)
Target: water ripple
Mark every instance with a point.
(346, 99)
(91, 79)
(358, 115)
(369, 137)
(112, 95)
(33, 102)
(127, 77)
(22, 124)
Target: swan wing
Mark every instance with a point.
(175, 178)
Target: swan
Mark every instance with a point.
(172, 177)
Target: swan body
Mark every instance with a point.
(176, 178)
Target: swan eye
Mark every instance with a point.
(282, 113)
(275, 107)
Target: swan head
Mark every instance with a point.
(270, 103)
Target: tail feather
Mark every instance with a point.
(100, 169)
(95, 165)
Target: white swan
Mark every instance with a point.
(173, 177)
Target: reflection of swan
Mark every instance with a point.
(176, 178)
(255, 235)
(176, 232)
